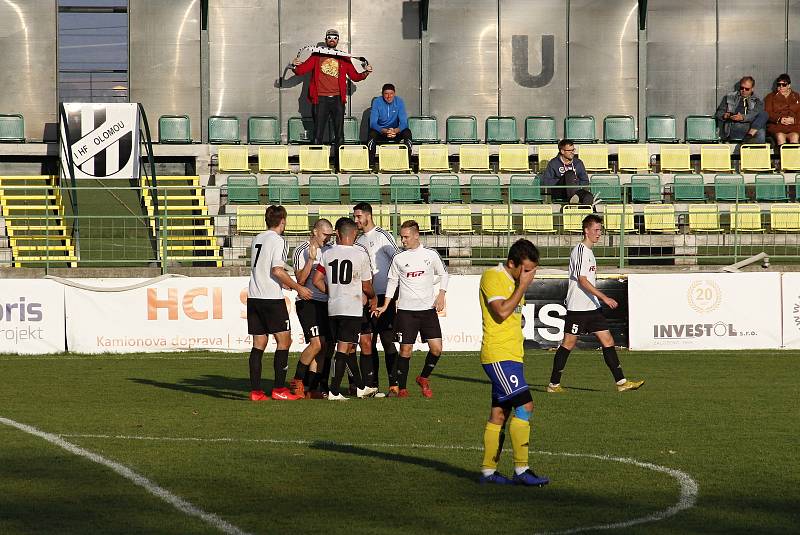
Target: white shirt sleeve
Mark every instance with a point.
(366, 268)
(394, 276)
(279, 254)
(439, 269)
(586, 262)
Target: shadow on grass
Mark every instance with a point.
(543, 388)
(216, 386)
(462, 379)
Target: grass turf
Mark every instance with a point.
(725, 418)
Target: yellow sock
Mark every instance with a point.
(491, 443)
(520, 431)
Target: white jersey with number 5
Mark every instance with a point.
(581, 262)
(269, 250)
(345, 267)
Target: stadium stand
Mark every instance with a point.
(485, 189)
(282, 189)
(770, 187)
(538, 219)
(263, 130)
(619, 129)
(580, 128)
(729, 188)
(223, 129)
(174, 129)
(501, 129)
(231, 158)
(661, 129)
(12, 128)
(594, 157)
(496, 220)
(474, 158)
(404, 189)
(513, 158)
(755, 158)
(315, 159)
(659, 218)
(704, 218)
(745, 218)
(354, 159)
(645, 188)
(540, 129)
(242, 189)
(462, 129)
(273, 159)
(393, 158)
(444, 189)
(687, 188)
(424, 129)
(525, 189)
(324, 189)
(433, 158)
(618, 215)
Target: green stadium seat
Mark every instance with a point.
(580, 128)
(263, 130)
(501, 129)
(661, 129)
(462, 129)
(404, 189)
(729, 188)
(645, 188)
(606, 188)
(771, 188)
(352, 136)
(242, 189)
(424, 129)
(485, 189)
(797, 187)
(444, 188)
(283, 189)
(620, 129)
(323, 189)
(12, 128)
(540, 129)
(688, 187)
(525, 188)
(300, 130)
(365, 188)
(174, 129)
(223, 129)
(700, 129)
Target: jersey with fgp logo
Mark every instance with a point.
(581, 262)
(414, 272)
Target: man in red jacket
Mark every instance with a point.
(328, 88)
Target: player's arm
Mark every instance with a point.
(319, 279)
(444, 278)
(501, 308)
(304, 272)
(587, 286)
(391, 288)
(280, 274)
(366, 283)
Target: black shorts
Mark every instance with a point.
(267, 316)
(584, 322)
(384, 322)
(346, 328)
(313, 316)
(409, 323)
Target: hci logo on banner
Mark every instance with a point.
(103, 140)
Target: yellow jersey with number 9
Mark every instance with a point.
(501, 341)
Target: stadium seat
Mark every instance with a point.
(675, 158)
(513, 158)
(715, 158)
(393, 158)
(755, 157)
(501, 129)
(354, 159)
(365, 188)
(729, 188)
(404, 189)
(771, 188)
(473, 158)
(444, 188)
(573, 215)
(704, 218)
(613, 217)
(300, 130)
(700, 129)
(462, 129)
(455, 220)
(12, 128)
(323, 189)
(485, 189)
(424, 129)
(242, 189)
(334, 213)
(619, 129)
(746, 218)
(659, 218)
(296, 220)
(232, 158)
(538, 219)
(633, 158)
(171, 129)
(525, 188)
(545, 153)
(420, 214)
(797, 187)
(688, 188)
(645, 188)
(496, 219)
(273, 159)
(250, 219)
(606, 188)
(540, 129)
(594, 157)
(263, 130)
(580, 128)
(352, 136)
(790, 157)
(433, 158)
(315, 159)
(661, 129)
(223, 129)
(784, 217)
(385, 216)
(283, 189)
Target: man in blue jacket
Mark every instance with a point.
(388, 122)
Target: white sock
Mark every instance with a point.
(622, 381)
(487, 471)
(520, 469)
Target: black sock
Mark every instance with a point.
(402, 371)
(391, 365)
(339, 367)
(255, 368)
(375, 364)
(301, 370)
(430, 364)
(311, 380)
(367, 372)
(326, 373)
(559, 362)
(612, 361)
(352, 365)
(280, 365)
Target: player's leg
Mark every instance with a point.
(572, 327)
(406, 329)
(365, 361)
(283, 339)
(339, 368)
(431, 332)
(520, 430)
(257, 328)
(302, 370)
(494, 430)
(324, 362)
(403, 365)
(612, 361)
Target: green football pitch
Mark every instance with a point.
(170, 444)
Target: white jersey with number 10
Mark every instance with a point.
(345, 267)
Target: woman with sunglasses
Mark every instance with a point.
(783, 107)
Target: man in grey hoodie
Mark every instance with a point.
(741, 114)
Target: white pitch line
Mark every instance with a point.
(688, 486)
(176, 501)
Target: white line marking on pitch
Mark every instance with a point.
(176, 501)
(688, 493)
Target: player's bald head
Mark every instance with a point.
(323, 225)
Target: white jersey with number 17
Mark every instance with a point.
(345, 267)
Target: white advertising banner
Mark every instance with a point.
(705, 311)
(791, 310)
(31, 317)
